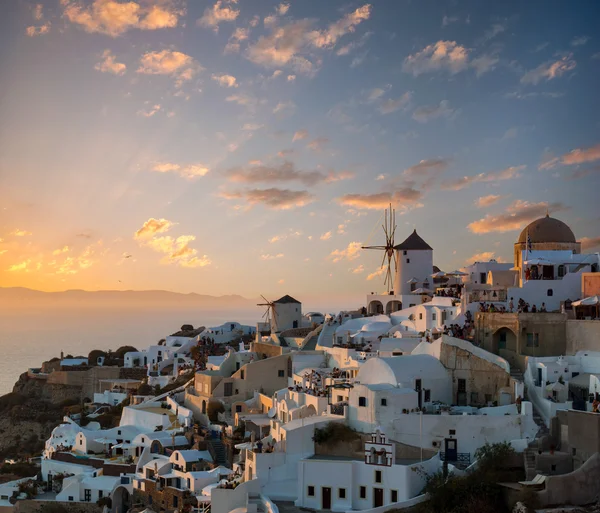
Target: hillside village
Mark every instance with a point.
(376, 409)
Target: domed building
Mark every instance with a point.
(545, 234)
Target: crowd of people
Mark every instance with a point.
(524, 307)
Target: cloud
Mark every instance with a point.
(517, 95)
(351, 252)
(495, 176)
(579, 41)
(326, 236)
(271, 257)
(428, 112)
(292, 234)
(480, 257)
(287, 108)
(518, 214)
(20, 233)
(115, 18)
(376, 274)
(392, 105)
(574, 157)
(489, 200)
(250, 102)
(188, 171)
(589, 243)
(177, 250)
(299, 135)
(40, 30)
(377, 92)
(448, 20)
(225, 80)
(291, 78)
(217, 14)
(484, 63)
(233, 44)
(251, 127)
(550, 70)
(493, 31)
(285, 172)
(381, 177)
(64, 249)
(20, 267)
(317, 144)
(38, 12)
(150, 112)
(358, 270)
(292, 44)
(151, 227)
(427, 167)
(441, 56)
(341, 229)
(403, 198)
(273, 198)
(168, 62)
(110, 65)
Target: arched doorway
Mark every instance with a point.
(375, 307)
(505, 339)
(121, 500)
(393, 306)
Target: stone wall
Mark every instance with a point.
(161, 500)
(550, 329)
(70, 378)
(576, 488)
(34, 506)
(582, 336)
(267, 349)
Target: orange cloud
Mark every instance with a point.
(273, 198)
(589, 243)
(217, 14)
(151, 227)
(115, 18)
(441, 56)
(577, 156)
(167, 62)
(110, 65)
(496, 176)
(351, 252)
(285, 172)
(188, 171)
(480, 257)
(516, 216)
(489, 200)
(404, 198)
(376, 274)
(549, 70)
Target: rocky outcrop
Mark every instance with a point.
(41, 390)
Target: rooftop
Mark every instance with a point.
(286, 300)
(547, 229)
(412, 242)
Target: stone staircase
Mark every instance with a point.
(326, 335)
(310, 342)
(218, 451)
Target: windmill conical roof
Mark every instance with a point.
(412, 242)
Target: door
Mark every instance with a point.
(377, 497)
(87, 497)
(418, 390)
(451, 449)
(461, 395)
(325, 498)
(539, 380)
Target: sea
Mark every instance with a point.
(27, 338)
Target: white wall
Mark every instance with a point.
(535, 292)
(419, 267)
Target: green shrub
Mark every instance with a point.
(336, 432)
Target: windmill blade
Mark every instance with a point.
(383, 260)
(266, 300)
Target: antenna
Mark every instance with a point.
(389, 230)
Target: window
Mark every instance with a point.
(553, 468)
(242, 374)
(427, 397)
(311, 491)
(341, 493)
(393, 495)
(280, 374)
(149, 499)
(339, 398)
(175, 501)
(452, 432)
(362, 401)
(474, 397)
(483, 278)
(228, 389)
(176, 456)
(413, 286)
(384, 402)
(71, 498)
(433, 317)
(378, 476)
(418, 385)
(363, 492)
(404, 252)
(408, 260)
(561, 271)
(100, 494)
(189, 483)
(550, 293)
(533, 340)
(142, 439)
(420, 316)
(238, 408)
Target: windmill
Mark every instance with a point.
(270, 313)
(389, 255)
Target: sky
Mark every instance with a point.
(250, 147)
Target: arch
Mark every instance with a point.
(310, 410)
(121, 500)
(375, 307)
(505, 338)
(393, 306)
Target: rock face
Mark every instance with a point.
(41, 390)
